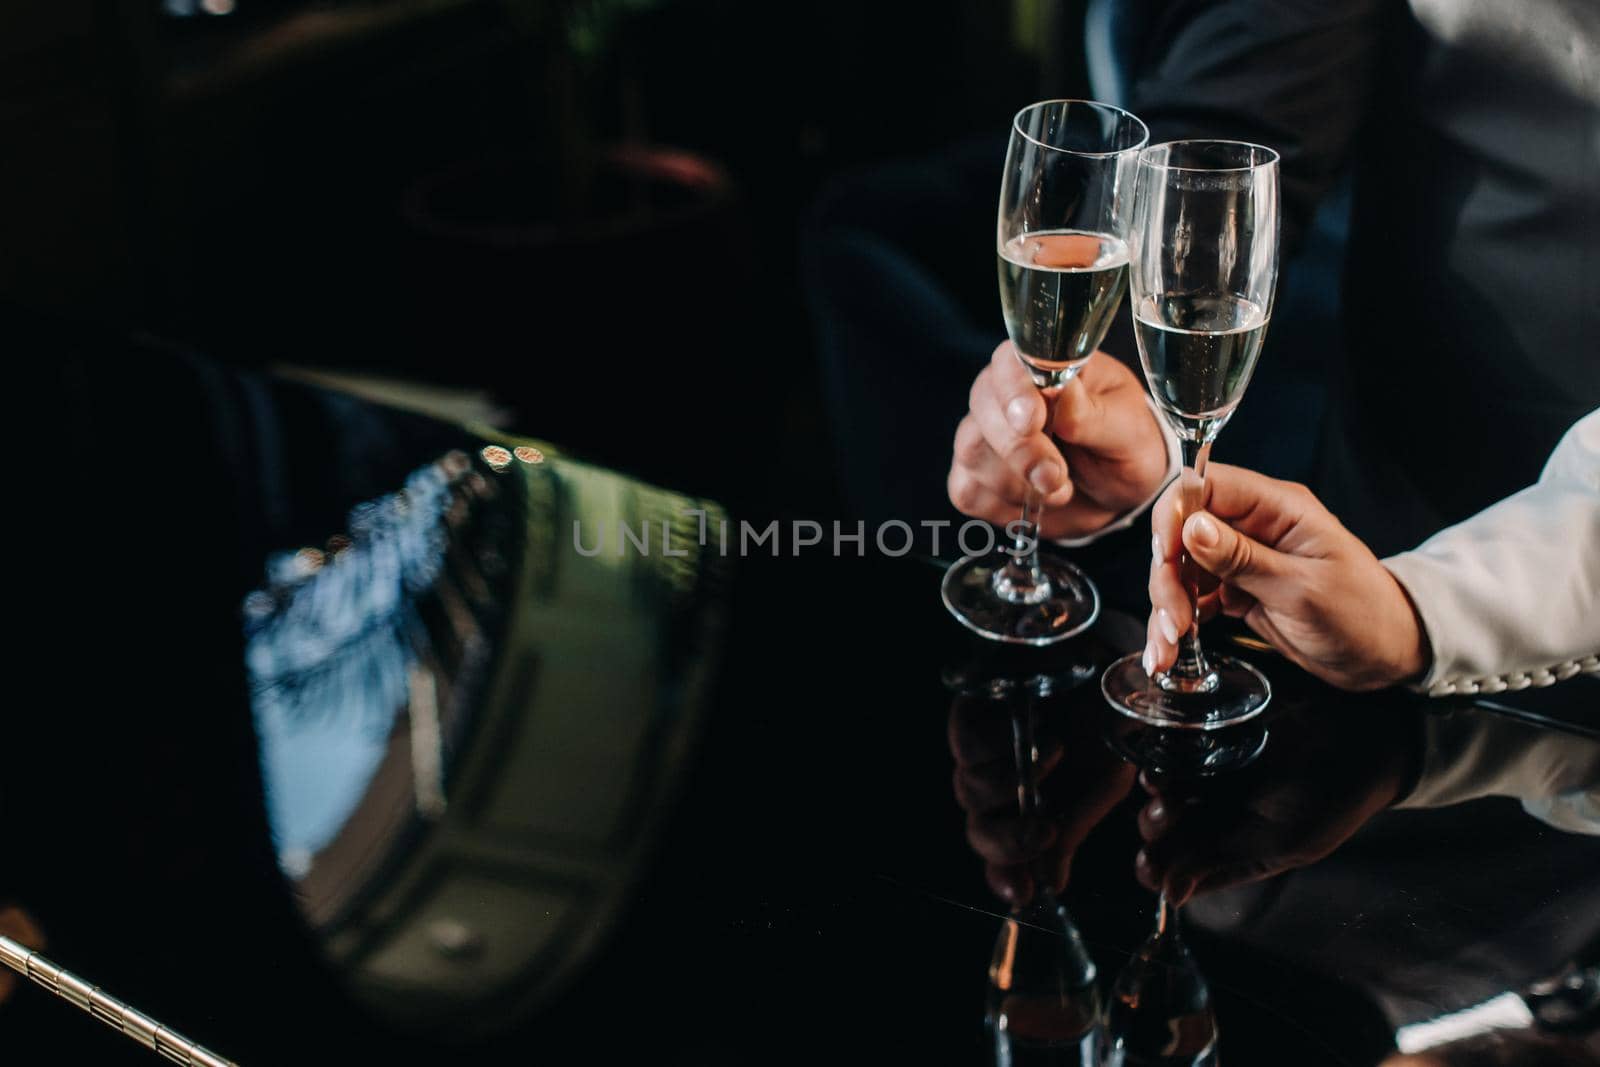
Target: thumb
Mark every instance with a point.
(1234, 558)
(1079, 416)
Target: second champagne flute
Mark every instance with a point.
(1061, 243)
(1203, 275)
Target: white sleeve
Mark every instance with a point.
(1511, 597)
(1556, 776)
(1129, 517)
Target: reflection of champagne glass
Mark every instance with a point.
(1061, 246)
(1044, 1001)
(1203, 275)
(1160, 1014)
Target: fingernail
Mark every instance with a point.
(1203, 530)
(1168, 628)
(1142, 871)
(1156, 811)
(1155, 547)
(1148, 661)
(1046, 477)
(1020, 414)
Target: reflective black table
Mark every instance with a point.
(346, 736)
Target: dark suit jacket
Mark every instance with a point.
(1472, 282)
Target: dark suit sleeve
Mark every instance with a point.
(1295, 75)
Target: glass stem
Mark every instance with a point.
(1021, 581)
(1190, 672)
(1025, 752)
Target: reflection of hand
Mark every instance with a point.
(1505, 1048)
(1078, 780)
(1108, 453)
(1292, 572)
(1324, 774)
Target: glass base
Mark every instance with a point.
(1185, 753)
(1071, 606)
(1241, 693)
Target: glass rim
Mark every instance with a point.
(1143, 143)
(1274, 156)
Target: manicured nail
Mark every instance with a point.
(1020, 414)
(1203, 530)
(1046, 477)
(1148, 661)
(1168, 628)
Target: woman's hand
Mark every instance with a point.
(1292, 572)
(1326, 773)
(1104, 454)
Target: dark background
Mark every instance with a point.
(278, 185)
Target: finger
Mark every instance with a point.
(973, 453)
(1236, 558)
(1167, 814)
(985, 468)
(1154, 872)
(1210, 849)
(1014, 383)
(1159, 653)
(1266, 509)
(1012, 883)
(1166, 524)
(973, 498)
(1144, 873)
(1179, 888)
(1008, 839)
(984, 790)
(1152, 819)
(1170, 599)
(1170, 614)
(992, 787)
(1092, 409)
(1010, 414)
(980, 732)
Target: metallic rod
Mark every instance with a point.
(108, 1009)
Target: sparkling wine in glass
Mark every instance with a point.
(1061, 246)
(1202, 275)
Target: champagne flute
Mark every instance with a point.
(1061, 244)
(1044, 1004)
(1161, 1013)
(1204, 269)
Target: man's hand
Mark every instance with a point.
(1107, 456)
(1078, 778)
(1292, 572)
